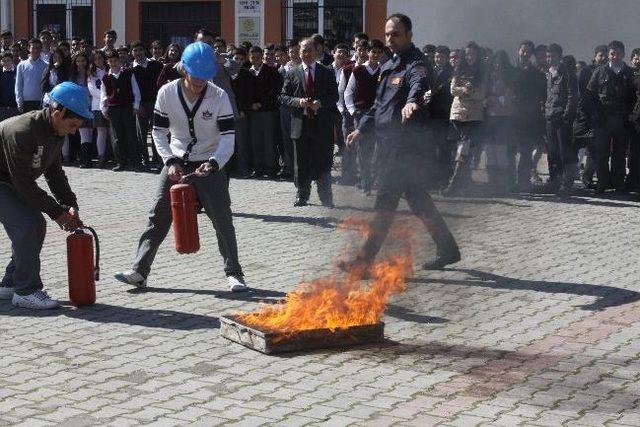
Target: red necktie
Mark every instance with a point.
(309, 83)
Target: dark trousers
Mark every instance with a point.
(633, 159)
(26, 228)
(561, 153)
(590, 162)
(7, 112)
(443, 151)
(213, 194)
(124, 140)
(74, 146)
(611, 141)
(242, 154)
(403, 176)
(349, 166)
(527, 136)
(365, 152)
(31, 106)
(143, 124)
(286, 150)
(306, 170)
(263, 146)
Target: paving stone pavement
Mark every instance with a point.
(538, 325)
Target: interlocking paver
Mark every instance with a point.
(537, 325)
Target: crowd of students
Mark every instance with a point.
(585, 116)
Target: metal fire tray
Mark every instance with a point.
(273, 342)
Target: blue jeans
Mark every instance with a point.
(26, 228)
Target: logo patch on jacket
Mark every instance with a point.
(207, 115)
(36, 161)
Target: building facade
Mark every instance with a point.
(258, 21)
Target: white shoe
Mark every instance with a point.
(6, 293)
(236, 284)
(39, 300)
(132, 278)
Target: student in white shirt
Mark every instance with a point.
(119, 103)
(194, 133)
(96, 73)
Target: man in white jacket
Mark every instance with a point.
(193, 132)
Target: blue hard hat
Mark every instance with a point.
(72, 97)
(199, 61)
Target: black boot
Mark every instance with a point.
(444, 257)
(85, 156)
(447, 251)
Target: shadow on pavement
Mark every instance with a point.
(409, 315)
(252, 295)
(324, 222)
(584, 199)
(608, 296)
(104, 313)
(399, 212)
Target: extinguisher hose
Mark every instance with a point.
(96, 269)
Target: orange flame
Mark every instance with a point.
(340, 301)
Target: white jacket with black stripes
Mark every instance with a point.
(213, 125)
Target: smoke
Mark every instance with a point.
(577, 25)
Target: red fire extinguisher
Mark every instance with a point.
(184, 209)
(83, 272)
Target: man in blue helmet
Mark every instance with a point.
(30, 146)
(193, 130)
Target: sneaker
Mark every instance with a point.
(132, 278)
(39, 300)
(237, 284)
(6, 293)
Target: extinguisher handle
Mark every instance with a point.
(96, 269)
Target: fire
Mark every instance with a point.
(340, 301)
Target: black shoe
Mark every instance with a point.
(118, 168)
(300, 202)
(442, 260)
(328, 204)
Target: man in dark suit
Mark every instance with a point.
(311, 92)
(264, 114)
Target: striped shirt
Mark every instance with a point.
(213, 121)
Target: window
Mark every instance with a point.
(337, 20)
(67, 17)
(173, 22)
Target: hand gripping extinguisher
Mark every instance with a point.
(184, 209)
(83, 272)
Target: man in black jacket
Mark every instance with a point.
(530, 94)
(633, 179)
(243, 85)
(612, 98)
(311, 92)
(560, 111)
(264, 116)
(396, 119)
(439, 99)
(583, 126)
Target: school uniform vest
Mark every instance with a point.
(119, 91)
(366, 84)
(147, 80)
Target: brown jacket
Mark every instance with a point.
(29, 149)
(468, 101)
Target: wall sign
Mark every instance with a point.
(250, 21)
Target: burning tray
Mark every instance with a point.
(273, 342)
